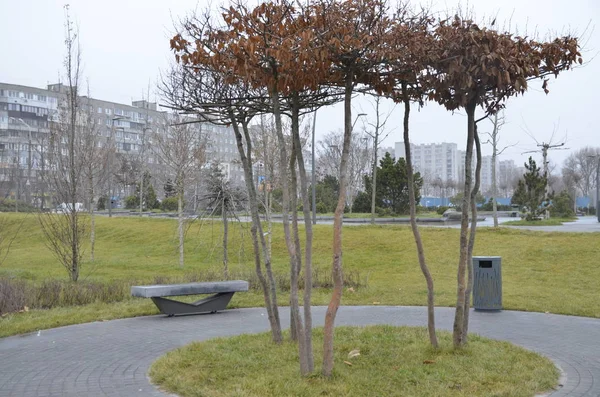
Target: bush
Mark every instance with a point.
(562, 206)
(19, 294)
(362, 203)
(383, 211)
(169, 204)
(8, 205)
(132, 202)
(441, 209)
(101, 203)
(321, 208)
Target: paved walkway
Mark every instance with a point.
(112, 358)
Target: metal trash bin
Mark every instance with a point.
(487, 283)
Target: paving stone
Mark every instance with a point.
(112, 358)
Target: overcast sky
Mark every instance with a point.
(125, 44)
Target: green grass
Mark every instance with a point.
(540, 222)
(391, 363)
(540, 270)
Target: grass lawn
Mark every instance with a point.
(545, 272)
(392, 362)
(541, 222)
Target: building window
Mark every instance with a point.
(99, 110)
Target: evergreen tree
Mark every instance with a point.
(169, 188)
(392, 185)
(531, 192)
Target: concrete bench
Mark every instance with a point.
(222, 290)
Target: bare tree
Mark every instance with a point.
(359, 160)
(378, 134)
(65, 232)
(497, 123)
(181, 147)
(580, 169)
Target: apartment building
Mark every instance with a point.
(433, 160)
(26, 114)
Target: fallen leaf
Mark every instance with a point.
(428, 362)
(348, 363)
(354, 353)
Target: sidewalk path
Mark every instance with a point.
(112, 358)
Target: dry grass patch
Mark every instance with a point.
(393, 361)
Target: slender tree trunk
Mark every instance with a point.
(225, 237)
(297, 260)
(374, 181)
(283, 162)
(308, 232)
(464, 227)
(413, 224)
(92, 217)
(180, 223)
(142, 192)
(472, 237)
(338, 277)
(256, 228)
(494, 181)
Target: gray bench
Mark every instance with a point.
(222, 290)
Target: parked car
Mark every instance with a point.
(67, 208)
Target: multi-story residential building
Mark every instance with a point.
(433, 161)
(486, 171)
(25, 118)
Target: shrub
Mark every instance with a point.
(362, 203)
(101, 203)
(18, 294)
(132, 202)
(321, 208)
(562, 206)
(441, 209)
(169, 204)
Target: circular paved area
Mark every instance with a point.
(112, 358)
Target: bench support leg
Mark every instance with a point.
(211, 304)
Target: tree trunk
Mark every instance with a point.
(338, 277)
(256, 228)
(472, 237)
(283, 163)
(413, 224)
(142, 192)
(464, 226)
(296, 261)
(494, 181)
(374, 181)
(308, 231)
(180, 224)
(92, 217)
(225, 237)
